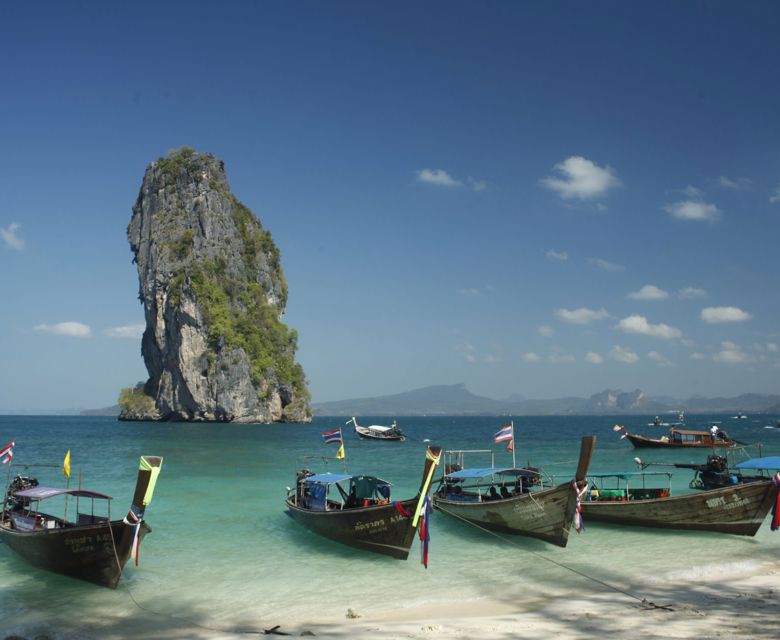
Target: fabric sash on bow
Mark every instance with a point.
(579, 525)
(776, 509)
(425, 530)
(134, 518)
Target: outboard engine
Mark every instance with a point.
(18, 484)
(712, 475)
(300, 485)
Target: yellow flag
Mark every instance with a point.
(66, 465)
(340, 453)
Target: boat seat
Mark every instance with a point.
(23, 523)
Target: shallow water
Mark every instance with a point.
(224, 554)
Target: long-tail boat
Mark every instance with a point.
(94, 548)
(378, 432)
(626, 499)
(357, 510)
(514, 500)
(681, 438)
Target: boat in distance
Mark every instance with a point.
(357, 510)
(738, 509)
(657, 422)
(378, 432)
(681, 438)
(94, 548)
(513, 500)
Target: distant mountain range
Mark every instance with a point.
(457, 400)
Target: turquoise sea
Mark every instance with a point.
(223, 554)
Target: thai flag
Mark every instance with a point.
(504, 434)
(7, 452)
(332, 437)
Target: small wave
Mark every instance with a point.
(729, 569)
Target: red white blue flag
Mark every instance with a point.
(332, 437)
(504, 434)
(7, 452)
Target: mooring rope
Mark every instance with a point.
(266, 632)
(256, 632)
(644, 601)
(249, 632)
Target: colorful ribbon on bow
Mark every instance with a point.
(425, 530)
(135, 518)
(776, 509)
(579, 525)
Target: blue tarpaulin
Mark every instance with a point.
(770, 463)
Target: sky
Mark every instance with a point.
(543, 199)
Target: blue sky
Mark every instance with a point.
(537, 198)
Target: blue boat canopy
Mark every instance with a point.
(770, 463)
(327, 478)
(41, 493)
(483, 472)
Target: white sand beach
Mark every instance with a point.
(741, 605)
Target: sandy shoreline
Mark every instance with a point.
(740, 606)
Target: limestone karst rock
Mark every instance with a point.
(213, 292)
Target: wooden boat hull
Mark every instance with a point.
(365, 433)
(546, 514)
(379, 528)
(85, 552)
(739, 509)
(641, 442)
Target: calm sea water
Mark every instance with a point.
(223, 553)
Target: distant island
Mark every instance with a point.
(458, 400)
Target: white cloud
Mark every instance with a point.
(775, 197)
(693, 210)
(660, 360)
(75, 329)
(639, 324)
(581, 178)
(491, 359)
(437, 177)
(692, 192)
(605, 265)
(440, 178)
(689, 293)
(771, 346)
(11, 237)
(476, 185)
(622, 354)
(697, 356)
(649, 292)
(715, 315)
(737, 184)
(530, 357)
(468, 292)
(581, 315)
(731, 353)
(127, 331)
(545, 330)
(593, 357)
(557, 255)
(468, 350)
(559, 357)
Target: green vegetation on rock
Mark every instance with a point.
(238, 315)
(133, 400)
(172, 164)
